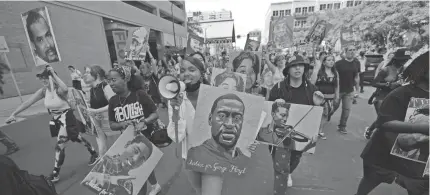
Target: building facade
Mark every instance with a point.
(83, 31)
(301, 9)
(218, 29)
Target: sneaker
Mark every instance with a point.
(322, 136)
(54, 177)
(11, 150)
(93, 159)
(290, 181)
(342, 130)
(155, 189)
(367, 133)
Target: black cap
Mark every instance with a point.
(293, 61)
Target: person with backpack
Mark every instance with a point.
(295, 89)
(64, 124)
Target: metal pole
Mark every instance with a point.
(173, 23)
(13, 76)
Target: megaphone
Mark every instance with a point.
(170, 87)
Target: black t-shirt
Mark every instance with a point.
(137, 105)
(98, 98)
(347, 73)
(377, 150)
(300, 95)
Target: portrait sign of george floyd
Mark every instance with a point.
(227, 123)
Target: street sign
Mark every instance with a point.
(3, 45)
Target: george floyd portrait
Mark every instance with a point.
(297, 131)
(125, 167)
(228, 80)
(40, 36)
(414, 146)
(228, 123)
(137, 44)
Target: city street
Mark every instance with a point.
(334, 169)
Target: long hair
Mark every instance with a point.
(418, 68)
(97, 72)
(323, 67)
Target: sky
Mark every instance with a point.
(248, 15)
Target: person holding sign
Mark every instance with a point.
(129, 105)
(64, 124)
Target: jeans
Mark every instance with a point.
(346, 99)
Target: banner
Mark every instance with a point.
(317, 33)
(253, 41)
(40, 36)
(194, 43)
(120, 42)
(281, 32)
(296, 123)
(137, 43)
(125, 167)
(220, 146)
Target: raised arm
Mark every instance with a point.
(33, 99)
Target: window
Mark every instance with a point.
(275, 13)
(357, 3)
(311, 9)
(329, 6)
(298, 10)
(281, 13)
(337, 6)
(305, 10)
(296, 23)
(288, 12)
(302, 23)
(322, 6)
(349, 3)
(190, 19)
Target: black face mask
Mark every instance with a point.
(192, 87)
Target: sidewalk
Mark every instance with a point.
(7, 106)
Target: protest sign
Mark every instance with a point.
(281, 31)
(120, 42)
(137, 43)
(194, 43)
(248, 63)
(227, 123)
(40, 36)
(228, 80)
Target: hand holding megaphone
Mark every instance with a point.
(170, 87)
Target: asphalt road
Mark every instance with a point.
(334, 169)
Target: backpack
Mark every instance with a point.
(21, 182)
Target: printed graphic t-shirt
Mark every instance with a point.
(137, 105)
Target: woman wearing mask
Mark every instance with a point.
(192, 74)
(202, 59)
(296, 89)
(328, 83)
(379, 165)
(100, 93)
(127, 97)
(387, 80)
(64, 124)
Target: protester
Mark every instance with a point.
(129, 97)
(387, 80)
(379, 166)
(362, 60)
(295, 89)
(327, 81)
(384, 62)
(348, 78)
(64, 124)
(76, 78)
(276, 68)
(100, 93)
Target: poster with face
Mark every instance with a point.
(281, 32)
(227, 123)
(195, 43)
(40, 36)
(247, 63)
(426, 169)
(137, 43)
(317, 32)
(228, 80)
(414, 146)
(294, 126)
(125, 167)
(79, 105)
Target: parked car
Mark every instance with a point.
(371, 64)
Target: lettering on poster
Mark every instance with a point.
(99, 190)
(216, 167)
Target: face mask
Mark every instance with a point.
(192, 87)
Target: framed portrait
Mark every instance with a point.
(125, 167)
(227, 123)
(40, 36)
(409, 145)
(228, 80)
(290, 125)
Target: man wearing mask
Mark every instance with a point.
(348, 79)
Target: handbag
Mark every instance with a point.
(159, 136)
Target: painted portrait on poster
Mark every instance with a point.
(290, 125)
(228, 124)
(228, 80)
(40, 36)
(247, 63)
(125, 167)
(414, 146)
(137, 43)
